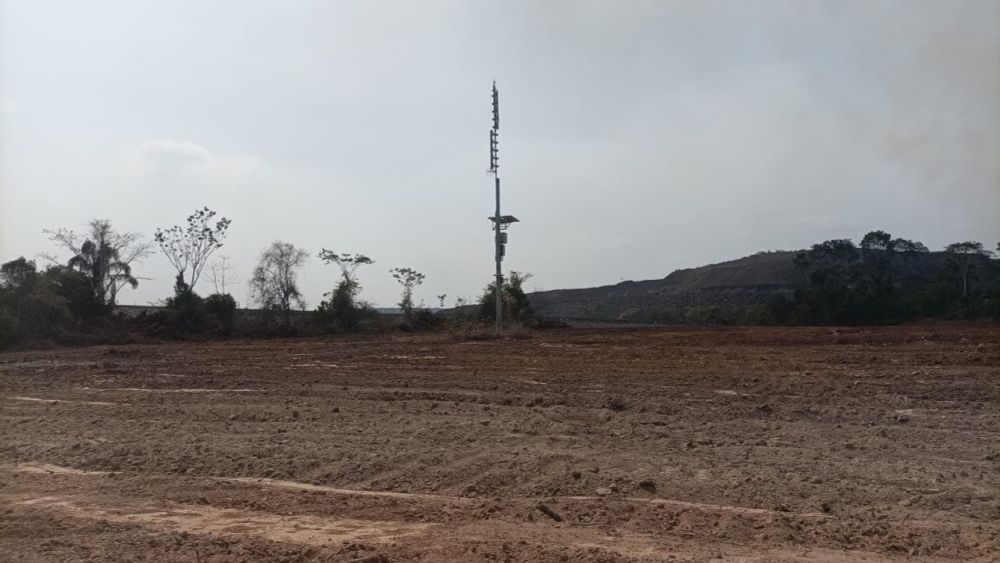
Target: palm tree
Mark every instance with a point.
(104, 256)
(107, 273)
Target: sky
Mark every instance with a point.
(637, 137)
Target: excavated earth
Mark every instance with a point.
(757, 444)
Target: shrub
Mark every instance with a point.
(220, 309)
(185, 311)
(422, 319)
(341, 311)
(514, 301)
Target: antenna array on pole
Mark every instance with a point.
(500, 222)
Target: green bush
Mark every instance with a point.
(185, 311)
(514, 300)
(342, 311)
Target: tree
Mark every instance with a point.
(274, 284)
(188, 248)
(877, 254)
(186, 309)
(514, 300)
(441, 299)
(17, 280)
(74, 287)
(843, 285)
(877, 240)
(222, 274)
(29, 307)
(221, 307)
(105, 256)
(341, 309)
(835, 250)
(908, 246)
(408, 278)
(18, 274)
(348, 263)
(963, 258)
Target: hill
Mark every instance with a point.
(734, 286)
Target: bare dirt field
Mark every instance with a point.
(572, 445)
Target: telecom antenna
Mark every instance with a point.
(500, 222)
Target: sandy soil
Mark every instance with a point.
(577, 445)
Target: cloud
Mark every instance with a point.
(189, 163)
(166, 152)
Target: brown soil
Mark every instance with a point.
(649, 445)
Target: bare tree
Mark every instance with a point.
(409, 279)
(105, 256)
(222, 274)
(188, 248)
(274, 285)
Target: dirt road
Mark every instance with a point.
(577, 445)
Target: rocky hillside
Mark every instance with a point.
(746, 281)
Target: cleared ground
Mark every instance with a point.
(649, 445)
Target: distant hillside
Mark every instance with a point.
(732, 285)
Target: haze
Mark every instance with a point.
(636, 137)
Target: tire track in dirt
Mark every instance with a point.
(56, 401)
(304, 529)
(48, 468)
(311, 530)
(155, 390)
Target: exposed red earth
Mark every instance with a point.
(748, 444)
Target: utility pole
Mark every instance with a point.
(500, 222)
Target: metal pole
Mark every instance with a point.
(499, 259)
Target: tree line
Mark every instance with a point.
(886, 280)
(881, 280)
(73, 296)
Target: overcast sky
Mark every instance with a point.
(636, 137)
